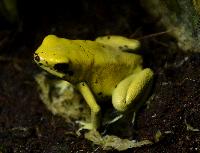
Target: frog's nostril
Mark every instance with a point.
(37, 58)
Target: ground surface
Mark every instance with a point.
(27, 126)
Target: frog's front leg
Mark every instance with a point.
(134, 88)
(95, 108)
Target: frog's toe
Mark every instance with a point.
(84, 126)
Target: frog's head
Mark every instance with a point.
(51, 56)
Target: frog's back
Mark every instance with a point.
(104, 54)
(91, 51)
(109, 66)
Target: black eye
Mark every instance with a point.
(64, 68)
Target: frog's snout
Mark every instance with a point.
(36, 57)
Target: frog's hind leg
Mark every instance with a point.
(134, 88)
(119, 42)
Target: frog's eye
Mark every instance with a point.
(63, 68)
(36, 57)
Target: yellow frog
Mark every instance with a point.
(97, 69)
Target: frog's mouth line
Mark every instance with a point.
(52, 70)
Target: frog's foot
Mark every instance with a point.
(84, 126)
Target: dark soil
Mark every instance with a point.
(26, 125)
